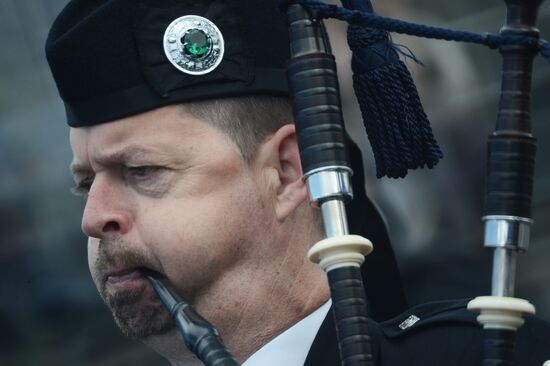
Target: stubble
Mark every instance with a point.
(137, 311)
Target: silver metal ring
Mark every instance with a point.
(329, 168)
(510, 232)
(507, 218)
(326, 184)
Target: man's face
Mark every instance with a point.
(169, 193)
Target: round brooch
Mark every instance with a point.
(193, 44)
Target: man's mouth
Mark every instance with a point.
(127, 277)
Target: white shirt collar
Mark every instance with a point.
(291, 347)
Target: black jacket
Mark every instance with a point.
(447, 334)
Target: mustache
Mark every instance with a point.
(115, 254)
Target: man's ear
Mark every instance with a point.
(280, 156)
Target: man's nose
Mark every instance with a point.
(105, 214)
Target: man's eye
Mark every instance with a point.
(152, 180)
(142, 172)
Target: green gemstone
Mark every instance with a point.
(196, 43)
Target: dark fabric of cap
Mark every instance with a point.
(108, 61)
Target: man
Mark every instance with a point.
(231, 235)
(184, 145)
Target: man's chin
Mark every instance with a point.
(138, 312)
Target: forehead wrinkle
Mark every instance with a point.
(138, 154)
(169, 140)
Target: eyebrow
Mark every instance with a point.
(78, 169)
(125, 154)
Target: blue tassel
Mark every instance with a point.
(397, 127)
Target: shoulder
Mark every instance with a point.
(435, 333)
(446, 333)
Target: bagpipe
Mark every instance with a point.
(401, 139)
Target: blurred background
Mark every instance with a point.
(50, 312)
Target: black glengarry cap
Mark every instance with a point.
(108, 61)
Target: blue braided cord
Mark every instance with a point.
(372, 20)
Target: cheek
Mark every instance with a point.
(197, 238)
(93, 245)
(195, 233)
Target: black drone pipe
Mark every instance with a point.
(509, 187)
(313, 83)
(198, 334)
(512, 147)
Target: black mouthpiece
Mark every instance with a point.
(199, 335)
(168, 295)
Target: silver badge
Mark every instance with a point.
(193, 44)
(409, 322)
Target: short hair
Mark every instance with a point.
(246, 120)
